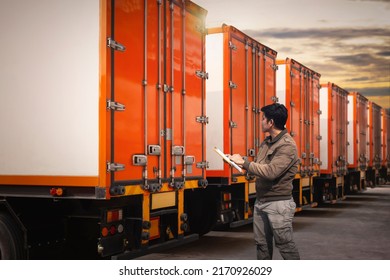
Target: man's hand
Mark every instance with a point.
(237, 158)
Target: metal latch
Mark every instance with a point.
(178, 150)
(115, 45)
(189, 160)
(154, 150)
(201, 74)
(115, 106)
(275, 67)
(140, 160)
(202, 119)
(112, 167)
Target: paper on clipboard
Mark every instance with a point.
(219, 152)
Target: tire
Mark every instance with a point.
(11, 239)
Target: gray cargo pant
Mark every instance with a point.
(273, 219)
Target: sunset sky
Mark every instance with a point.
(346, 41)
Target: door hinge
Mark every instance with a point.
(113, 166)
(115, 45)
(274, 99)
(111, 105)
(202, 74)
(232, 124)
(232, 46)
(202, 119)
(275, 67)
(202, 164)
(232, 84)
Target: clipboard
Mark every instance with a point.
(225, 158)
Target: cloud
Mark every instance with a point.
(359, 59)
(371, 91)
(384, 53)
(356, 59)
(358, 79)
(385, 1)
(334, 33)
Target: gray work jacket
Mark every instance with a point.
(275, 167)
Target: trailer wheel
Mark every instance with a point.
(11, 239)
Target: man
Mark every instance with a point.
(274, 168)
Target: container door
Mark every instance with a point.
(362, 113)
(157, 96)
(295, 118)
(269, 77)
(335, 127)
(238, 124)
(340, 130)
(315, 124)
(344, 151)
(193, 117)
(267, 83)
(387, 138)
(377, 135)
(352, 131)
(128, 94)
(384, 125)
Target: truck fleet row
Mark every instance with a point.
(113, 109)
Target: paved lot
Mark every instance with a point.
(357, 228)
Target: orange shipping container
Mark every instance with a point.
(374, 143)
(357, 131)
(110, 121)
(374, 136)
(298, 88)
(384, 121)
(385, 151)
(333, 126)
(160, 137)
(334, 105)
(125, 107)
(357, 142)
(241, 81)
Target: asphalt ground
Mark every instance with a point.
(357, 228)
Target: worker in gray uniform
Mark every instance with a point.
(274, 168)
